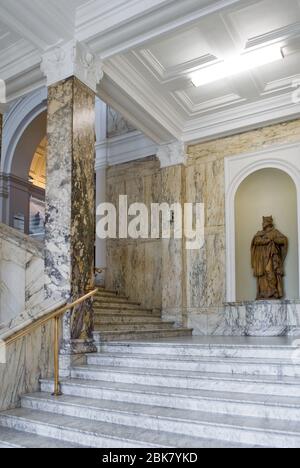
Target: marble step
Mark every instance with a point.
(106, 293)
(183, 378)
(245, 430)
(100, 311)
(96, 434)
(11, 438)
(102, 319)
(214, 401)
(140, 326)
(106, 301)
(129, 334)
(251, 366)
(205, 350)
(123, 391)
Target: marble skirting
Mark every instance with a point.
(257, 318)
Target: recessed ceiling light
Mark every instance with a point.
(235, 65)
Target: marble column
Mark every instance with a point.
(173, 158)
(70, 205)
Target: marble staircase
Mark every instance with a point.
(117, 318)
(176, 393)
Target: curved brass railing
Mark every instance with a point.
(55, 315)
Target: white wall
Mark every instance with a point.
(264, 193)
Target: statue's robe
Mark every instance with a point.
(268, 253)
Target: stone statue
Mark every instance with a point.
(268, 252)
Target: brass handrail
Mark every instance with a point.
(55, 315)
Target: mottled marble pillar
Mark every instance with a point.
(70, 206)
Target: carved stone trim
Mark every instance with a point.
(172, 154)
(72, 59)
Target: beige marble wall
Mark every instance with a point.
(134, 267)
(27, 361)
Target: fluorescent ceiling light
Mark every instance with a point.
(235, 65)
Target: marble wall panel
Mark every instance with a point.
(27, 361)
(21, 275)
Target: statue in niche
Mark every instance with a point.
(269, 249)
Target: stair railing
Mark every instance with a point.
(55, 316)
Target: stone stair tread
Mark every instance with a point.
(108, 317)
(178, 373)
(178, 390)
(11, 438)
(205, 359)
(133, 328)
(214, 395)
(128, 434)
(130, 330)
(172, 414)
(186, 344)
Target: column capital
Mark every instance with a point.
(72, 59)
(172, 154)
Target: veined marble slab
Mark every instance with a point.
(256, 318)
(21, 275)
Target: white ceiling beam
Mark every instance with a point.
(113, 32)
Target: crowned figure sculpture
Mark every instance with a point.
(269, 249)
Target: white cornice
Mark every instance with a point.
(244, 117)
(72, 59)
(123, 148)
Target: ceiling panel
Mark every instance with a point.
(263, 17)
(180, 48)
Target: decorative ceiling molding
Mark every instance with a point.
(215, 104)
(72, 59)
(120, 70)
(108, 28)
(286, 33)
(245, 117)
(139, 117)
(165, 75)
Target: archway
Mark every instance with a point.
(263, 193)
(24, 129)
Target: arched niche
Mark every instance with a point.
(285, 158)
(265, 192)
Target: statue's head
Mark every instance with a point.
(268, 222)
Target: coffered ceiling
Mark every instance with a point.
(150, 48)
